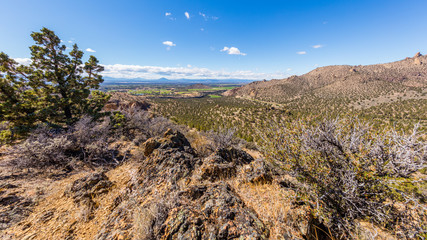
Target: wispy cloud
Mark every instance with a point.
(302, 53)
(189, 72)
(206, 17)
(187, 15)
(169, 15)
(318, 46)
(90, 50)
(169, 44)
(203, 15)
(233, 51)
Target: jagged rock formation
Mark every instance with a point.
(165, 192)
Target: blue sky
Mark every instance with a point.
(219, 38)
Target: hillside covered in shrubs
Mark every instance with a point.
(135, 175)
(77, 163)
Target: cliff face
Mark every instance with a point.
(348, 81)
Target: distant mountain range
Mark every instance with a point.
(108, 80)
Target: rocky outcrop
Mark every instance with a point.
(212, 211)
(189, 200)
(222, 164)
(170, 193)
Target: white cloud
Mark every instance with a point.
(169, 44)
(302, 53)
(289, 69)
(206, 17)
(23, 61)
(70, 41)
(202, 29)
(189, 72)
(203, 15)
(233, 51)
(318, 46)
(90, 50)
(187, 15)
(169, 15)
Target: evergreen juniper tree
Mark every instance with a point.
(55, 88)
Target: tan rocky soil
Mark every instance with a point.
(165, 191)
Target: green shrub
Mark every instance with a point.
(349, 173)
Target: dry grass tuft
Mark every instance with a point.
(274, 206)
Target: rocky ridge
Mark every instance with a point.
(165, 192)
(341, 80)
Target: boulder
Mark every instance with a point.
(223, 164)
(257, 172)
(212, 211)
(170, 139)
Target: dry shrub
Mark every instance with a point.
(141, 125)
(147, 220)
(86, 141)
(352, 173)
(274, 206)
(200, 143)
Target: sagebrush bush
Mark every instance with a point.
(223, 138)
(139, 125)
(87, 141)
(350, 173)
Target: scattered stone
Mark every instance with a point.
(8, 200)
(257, 172)
(149, 146)
(223, 164)
(89, 186)
(7, 186)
